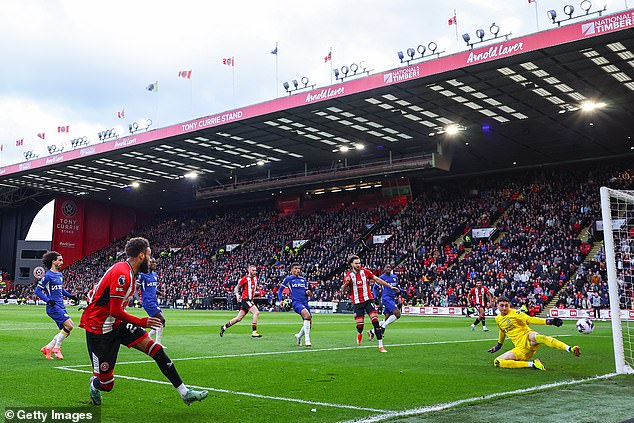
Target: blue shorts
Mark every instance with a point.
(59, 314)
(389, 306)
(152, 309)
(298, 306)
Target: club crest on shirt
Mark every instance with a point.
(121, 280)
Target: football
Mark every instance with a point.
(585, 325)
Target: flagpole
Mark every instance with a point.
(536, 16)
(277, 84)
(156, 104)
(330, 65)
(455, 21)
(233, 80)
(191, 98)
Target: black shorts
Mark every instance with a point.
(479, 308)
(246, 305)
(104, 348)
(365, 307)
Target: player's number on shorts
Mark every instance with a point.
(130, 327)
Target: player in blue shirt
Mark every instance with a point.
(388, 297)
(51, 291)
(299, 296)
(148, 283)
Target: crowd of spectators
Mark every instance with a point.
(536, 253)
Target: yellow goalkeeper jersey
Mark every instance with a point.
(515, 325)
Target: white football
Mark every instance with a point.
(585, 325)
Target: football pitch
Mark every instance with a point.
(436, 370)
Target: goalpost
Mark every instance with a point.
(617, 209)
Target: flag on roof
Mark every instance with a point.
(152, 87)
(187, 74)
(63, 128)
(328, 57)
(229, 61)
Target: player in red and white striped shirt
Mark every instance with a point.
(245, 290)
(359, 281)
(108, 325)
(479, 298)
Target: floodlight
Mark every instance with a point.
(451, 130)
(585, 6)
(552, 15)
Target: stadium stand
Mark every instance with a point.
(538, 256)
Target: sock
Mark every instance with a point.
(159, 334)
(301, 331)
(306, 329)
(51, 344)
(513, 364)
(182, 389)
(380, 343)
(377, 330)
(227, 325)
(60, 338)
(360, 328)
(152, 333)
(551, 342)
(389, 320)
(254, 326)
(484, 321)
(476, 322)
(165, 364)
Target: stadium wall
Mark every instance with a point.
(14, 225)
(82, 227)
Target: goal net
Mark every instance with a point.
(617, 209)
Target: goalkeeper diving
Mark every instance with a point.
(526, 341)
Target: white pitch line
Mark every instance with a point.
(307, 350)
(247, 394)
(445, 406)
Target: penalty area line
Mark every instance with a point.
(246, 394)
(445, 406)
(302, 351)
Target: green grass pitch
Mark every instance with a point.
(430, 361)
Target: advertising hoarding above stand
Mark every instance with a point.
(503, 49)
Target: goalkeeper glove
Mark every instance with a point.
(496, 348)
(555, 321)
(50, 303)
(74, 300)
